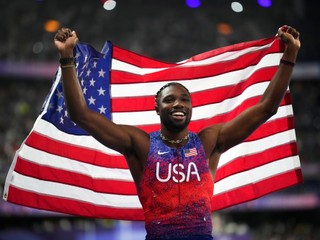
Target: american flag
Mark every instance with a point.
(59, 167)
(190, 152)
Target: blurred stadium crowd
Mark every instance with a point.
(168, 31)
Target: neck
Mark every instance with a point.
(174, 141)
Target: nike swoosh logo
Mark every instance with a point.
(161, 153)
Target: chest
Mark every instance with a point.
(176, 165)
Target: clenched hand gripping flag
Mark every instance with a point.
(59, 167)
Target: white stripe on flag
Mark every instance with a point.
(256, 174)
(252, 147)
(201, 112)
(227, 56)
(49, 130)
(72, 192)
(196, 85)
(121, 66)
(46, 159)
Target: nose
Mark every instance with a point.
(178, 104)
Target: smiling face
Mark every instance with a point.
(174, 107)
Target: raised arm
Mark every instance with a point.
(121, 138)
(225, 136)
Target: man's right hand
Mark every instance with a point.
(65, 40)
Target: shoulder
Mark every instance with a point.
(210, 132)
(139, 138)
(209, 137)
(140, 143)
(132, 130)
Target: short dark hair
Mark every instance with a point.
(165, 86)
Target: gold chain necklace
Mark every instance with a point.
(174, 141)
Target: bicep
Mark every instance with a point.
(114, 136)
(239, 128)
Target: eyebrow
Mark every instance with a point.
(173, 95)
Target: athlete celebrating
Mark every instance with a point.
(173, 168)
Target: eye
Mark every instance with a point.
(186, 98)
(168, 99)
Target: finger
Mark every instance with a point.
(282, 35)
(74, 35)
(280, 32)
(66, 31)
(290, 30)
(59, 37)
(284, 28)
(294, 33)
(63, 34)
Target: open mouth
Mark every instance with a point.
(179, 115)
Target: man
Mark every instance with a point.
(173, 168)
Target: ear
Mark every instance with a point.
(157, 110)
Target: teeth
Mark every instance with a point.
(178, 114)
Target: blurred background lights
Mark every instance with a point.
(109, 5)
(224, 28)
(193, 3)
(236, 7)
(265, 3)
(37, 47)
(51, 25)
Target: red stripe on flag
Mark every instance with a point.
(272, 127)
(71, 151)
(237, 47)
(198, 125)
(71, 206)
(146, 62)
(147, 103)
(247, 162)
(256, 190)
(47, 173)
(179, 72)
(136, 59)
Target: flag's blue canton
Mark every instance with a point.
(93, 70)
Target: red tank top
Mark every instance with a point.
(176, 190)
